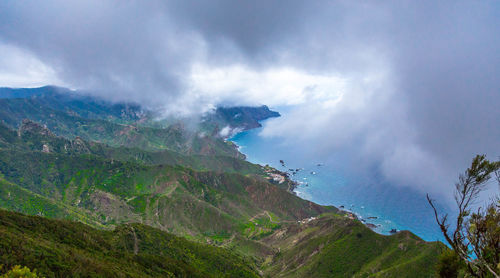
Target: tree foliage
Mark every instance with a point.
(475, 236)
(59, 248)
(20, 272)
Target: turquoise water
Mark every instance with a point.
(331, 183)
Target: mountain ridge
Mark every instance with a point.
(197, 187)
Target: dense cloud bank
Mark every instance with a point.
(410, 88)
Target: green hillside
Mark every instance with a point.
(159, 195)
(335, 246)
(72, 115)
(55, 248)
(105, 167)
(31, 136)
(175, 137)
(243, 213)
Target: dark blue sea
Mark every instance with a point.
(330, 182)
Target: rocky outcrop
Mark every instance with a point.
(78, 145)
(33, 127)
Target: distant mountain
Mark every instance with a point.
(75, 103)
(71, 115)
(28, 92)
(241, 117)
(84, 106)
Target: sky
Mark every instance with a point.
(410, 88)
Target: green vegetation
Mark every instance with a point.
(19, 272)
(55, 248)
(99, 168)
(475, 237)
(68, 124)
(33, 137)
(335, 246)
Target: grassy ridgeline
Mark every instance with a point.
(57, 248)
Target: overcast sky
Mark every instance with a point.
(411, 87)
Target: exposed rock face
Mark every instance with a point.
(45, 148)
(79, 146)
(30, 126)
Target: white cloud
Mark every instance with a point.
(238, 84)
(368, 123)
(224, 132)
(19, 68)
(400, 81)
(227, 131)
(208, 86)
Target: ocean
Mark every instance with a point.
(324, 182)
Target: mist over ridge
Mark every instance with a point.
(410, 89)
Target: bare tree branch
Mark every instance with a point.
(474, 233)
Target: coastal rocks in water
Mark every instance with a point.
(393, 231)
(372, 217)
(372, 226)
(282, 162)
(294, 171)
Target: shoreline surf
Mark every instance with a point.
(385, 206)
(374, 222)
